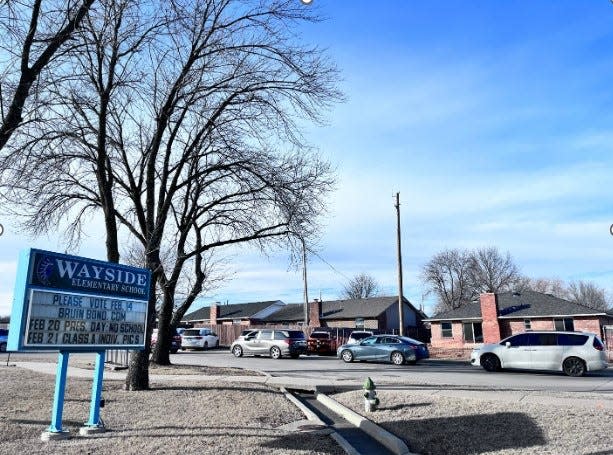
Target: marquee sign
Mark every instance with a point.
(72, 303)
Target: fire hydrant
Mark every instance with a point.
(370, 396)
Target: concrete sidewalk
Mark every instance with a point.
(327, 385)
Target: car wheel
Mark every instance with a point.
(490, 362)
(174, 351)
(275, 353)
(347, 355)
(237, 351)
(397, 358)
(573, 366)
(294, 356)
(206, 345)
(2, 347)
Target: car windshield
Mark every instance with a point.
(321, 335)
(294, 334)
(191, 333)
(360, 335)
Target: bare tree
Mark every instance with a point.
(553, 286)
(459, 276)
(360, 286)
(490, 271)
(588, 294)
(448, 275)
(33, 35)
(584, 293)
(182, 129)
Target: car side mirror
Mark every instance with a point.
(508, 344)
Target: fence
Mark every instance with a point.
(228, 333)
(119, 357)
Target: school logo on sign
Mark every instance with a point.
(44, 271)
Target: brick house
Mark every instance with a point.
(497, 316)
(377, 313)
(245, 314)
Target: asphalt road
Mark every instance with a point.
(434, 372)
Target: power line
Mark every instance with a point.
(330, 265)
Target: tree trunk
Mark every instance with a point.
(161, 352)
(138, 372)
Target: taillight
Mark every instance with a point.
(598, 345)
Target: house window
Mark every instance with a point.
(359, 323)
(446, 330)
(564, 324)
(473, 332)
(527, 324)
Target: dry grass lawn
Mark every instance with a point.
(185, 418)
(465, 426)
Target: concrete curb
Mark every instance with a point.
(392, 442)
(300, 405)
(312, 417)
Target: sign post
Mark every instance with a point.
(74, 304)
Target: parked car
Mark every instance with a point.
(274, 342)
(574, 353)
(199, 339)
(321, 342)
(390, 348)
(175, 343)
(4, 337)
(358, 335)
(421, 349)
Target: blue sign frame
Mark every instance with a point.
(71, 303)
(75, 304)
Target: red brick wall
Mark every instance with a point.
(456, 341)
(214, 314)
(507, 328)
(489, 314)
(314, 313)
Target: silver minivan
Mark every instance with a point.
(273, 342)
(574, 353)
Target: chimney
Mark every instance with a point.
(489, 314)
(214, 313)
(315, 313)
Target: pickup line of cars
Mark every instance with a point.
(361, 345)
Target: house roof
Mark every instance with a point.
(234, 311)
(340, 309)
(522, 305)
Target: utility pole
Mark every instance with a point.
(400, 300)
(304, 279)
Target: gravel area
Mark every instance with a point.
(442, 425)
(186, 418)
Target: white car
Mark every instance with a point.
(574, 353)
(199, 339)
(359, 335)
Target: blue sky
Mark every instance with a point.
(492, 119)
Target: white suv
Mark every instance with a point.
(199, 339)
(574, 353)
